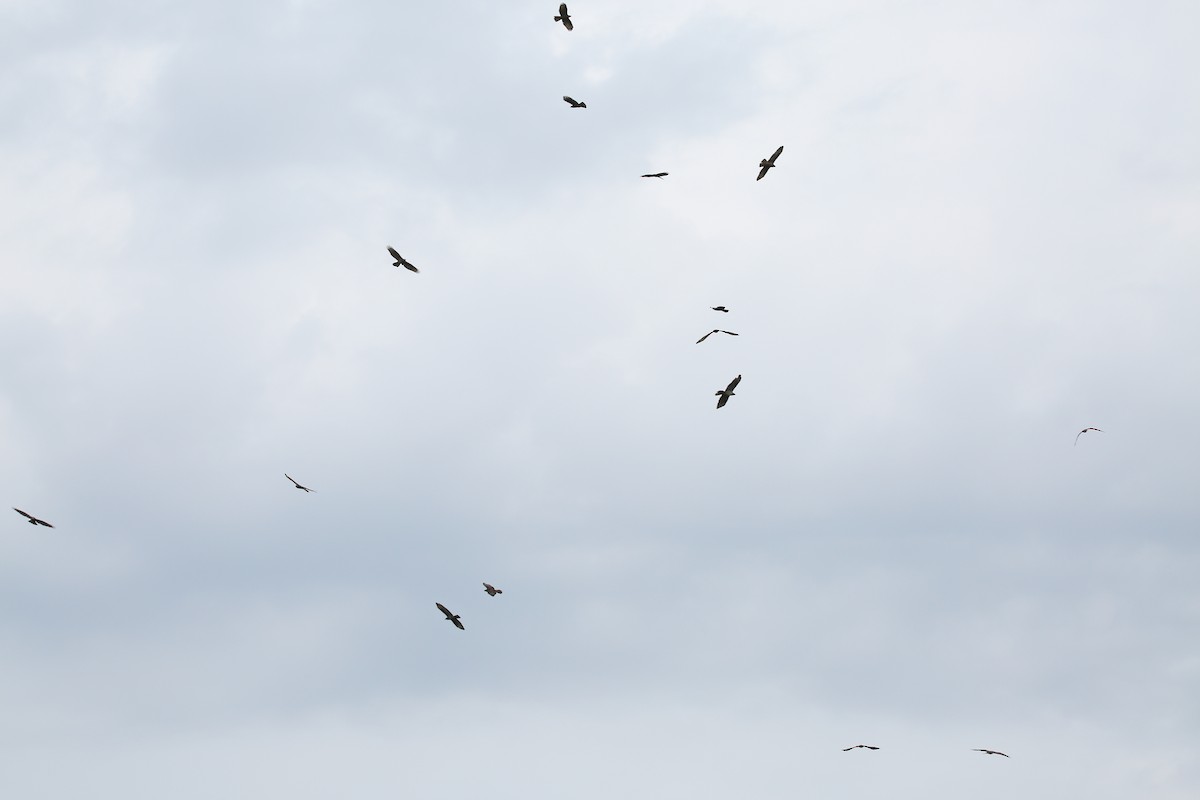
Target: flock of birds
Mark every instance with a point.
(723, 395)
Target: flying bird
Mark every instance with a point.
(710, 333)
(1085, 430)
(492, 590)
(767, 163)
(990, 752)
(32, 519)
(574, 103)
(298, 486)
(452, 617)
(564, 17)
(867, 746)
(720, 308)
(657, 175)
(727, 392)
(400, 262)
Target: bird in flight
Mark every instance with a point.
(727, 392)
(574, 103)
(564, 17)
(656, 175)
(990, 752)
(452, 617)
(767, 163)
(720, 308)
(492, 590)
(867, 746)
(710, 333)
(400, 262)
(32, 519)
(298, 486)
(1085, 430)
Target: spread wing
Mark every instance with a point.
(731, 333)
(733, 384)
(775, 155)
(23, 514)
(409, 266)
(457, 624)
(722, 399)
(762, 172)
(444, 610)
(705, 336)
(395, 255)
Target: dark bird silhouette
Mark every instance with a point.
(990, 752)
(720, 308)
(574, 103)
(710, 333)
(727, 392)
(298, 486)
(657, 175)
(452, 617)
(767, 163)
(1085, 430)
(867, 746)
(32, 519)
(400, 262)
(564, 17)
(492, 590)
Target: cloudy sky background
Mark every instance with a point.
(981, 237)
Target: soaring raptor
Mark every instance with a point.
(767, 163)
(724, 394)
(452, 617)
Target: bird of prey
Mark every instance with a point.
(720, 308)
(564, 17)
(400, 262)
(492, 590)
(710, 333)
(867, 746)
(990, 752)
(656, 175)
(767, 163)
(32, 519)
(727, 392)
(298, 486)
(452, 617)
(1085, 430)
(574, 103)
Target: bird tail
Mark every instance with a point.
(558, 19)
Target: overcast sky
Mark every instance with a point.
(981, 237)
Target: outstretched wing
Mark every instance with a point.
(763, 172)
(444, 610)
(775, 155)
(731, 333)
(705, 336)
(395, 255)
(457, 624)
(409, 266)
(23, 514)
(733, 384)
